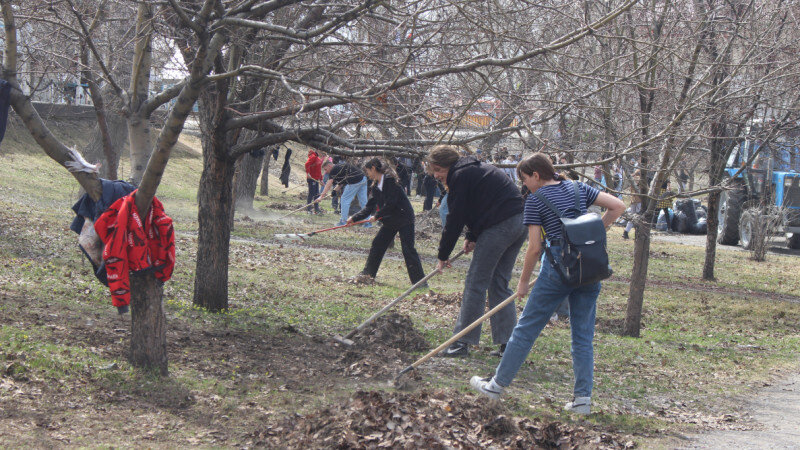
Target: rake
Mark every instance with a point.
(346, 339)
(300, 237)
(295, 210)
(458, 335)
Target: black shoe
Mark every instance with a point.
(499, 352)
(456, 350)
(625, 235)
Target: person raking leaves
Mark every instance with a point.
(483, 199)
(550, 191)
(389, 204)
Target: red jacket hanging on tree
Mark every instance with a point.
(130, 246)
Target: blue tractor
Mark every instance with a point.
(764, 182)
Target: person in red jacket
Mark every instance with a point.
(313, 178)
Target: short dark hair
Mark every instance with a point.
(443, 156)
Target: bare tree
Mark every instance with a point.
(148, 341)
(324, 69)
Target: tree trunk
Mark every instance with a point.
(641, 259)
(96, 151)
(139, 136)
(215, 197)
(712, 222)
(148, 323)
(249, 167)
(265, 173)
(139, 123)
(215, 205)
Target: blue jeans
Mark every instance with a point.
(548, 292)
(443, 210)
(334, 198)
(350, 192)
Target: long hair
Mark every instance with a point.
(381, 166)
(541, 164)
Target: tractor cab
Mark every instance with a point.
(765, 185)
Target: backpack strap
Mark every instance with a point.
(553, 208)
(577, 196)
(548, 203)
(558, 213)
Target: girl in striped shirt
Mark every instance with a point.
(539, 175)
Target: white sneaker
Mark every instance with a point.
(487, 387)
(554, 318)
(579, 405)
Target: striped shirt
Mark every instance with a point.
(562, 196)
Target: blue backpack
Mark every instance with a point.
(584, 259)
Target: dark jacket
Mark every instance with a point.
(393, 207)
(479, 196)
(286, 170)
(112, 190)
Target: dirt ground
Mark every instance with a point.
(775, 413)
(87, 409)
(777, 245)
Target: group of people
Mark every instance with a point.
(487, 202)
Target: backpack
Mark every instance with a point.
(584, 259)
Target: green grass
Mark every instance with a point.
(696, 344)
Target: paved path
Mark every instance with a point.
(776, 412)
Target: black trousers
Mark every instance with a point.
(430, 192)
(313, 193)
(381, 242)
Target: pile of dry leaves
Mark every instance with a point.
(392, 330)
(428, 419)
(380, 349)
(436, 299)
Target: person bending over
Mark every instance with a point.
(483, 199)
(354, 182)
(389, 204)
(549, 291)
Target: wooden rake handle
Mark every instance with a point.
(295, 210)
(461, 333)
(397, 300)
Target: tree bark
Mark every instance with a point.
(139, 123)
(148, 323)
(249, 167)
(641, 260)
(215, 202)
(712, 222)
(215, 209)
(265, 173)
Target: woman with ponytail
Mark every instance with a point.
(389, 204)
(539, 175)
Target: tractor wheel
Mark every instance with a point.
(730, 209)
(747, 224)
(793, 240)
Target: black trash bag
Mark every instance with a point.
(673, 224)
(687, 207)
(701, 213)
(701, 227)
(682, 222)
